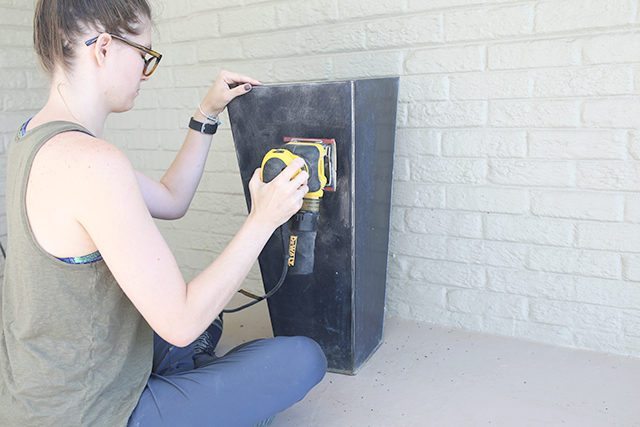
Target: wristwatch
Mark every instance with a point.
(205, 128)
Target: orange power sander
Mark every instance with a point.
(319, 156)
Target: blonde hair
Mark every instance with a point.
(58, 23)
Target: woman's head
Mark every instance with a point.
(62, 26)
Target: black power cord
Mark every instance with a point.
(4, 255)
(283, 275)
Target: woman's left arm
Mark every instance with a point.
(171, 197)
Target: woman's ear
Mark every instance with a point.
(101, 47)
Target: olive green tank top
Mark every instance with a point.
(74, 351)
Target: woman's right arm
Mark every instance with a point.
(111, 208)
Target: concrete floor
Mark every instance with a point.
(424, 375)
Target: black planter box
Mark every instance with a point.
(341, 305)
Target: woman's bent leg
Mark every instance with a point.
(250, 383)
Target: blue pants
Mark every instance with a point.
(251, 383)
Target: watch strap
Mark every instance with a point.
(206, 128)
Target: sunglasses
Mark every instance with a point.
(150, 63)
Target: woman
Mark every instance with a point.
(76, 339)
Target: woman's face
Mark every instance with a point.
(124, 70)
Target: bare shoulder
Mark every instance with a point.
(80, 159)
(73, 147)
(87, 164)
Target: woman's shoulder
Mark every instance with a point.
(79, 152)
(81, 161)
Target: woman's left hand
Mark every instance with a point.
(221, 93)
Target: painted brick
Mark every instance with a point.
(430, 296)
(530, 172)
(584, 81)
(490, 85)
(485, 252)
(447, 114)
(485, 143)
(402, 114)
(356, 9)
(202, 25)
(401, 169)
(487, 199)
(205, 5)
(575, 314)
(166, 10)
(417, 245)
(14, 57)
(572, 261)
(303, 69)
(281, 44)
(15, 16)
(531, 283)
(398, 267)
(416, 5)
(527, 229)
(230, 204)
(333, 39)
(533, 113)
(443, 170)
(559, 335)
(411, 142)
(194, 76)
(11, 121)
(221, 183)
(373, 64)
(634, 144)
(447, 318)
(612, 293)
(609, 236)
(552, 16)
(12, 79)
(418, 195)
(404, 31)
(199, 220)
(15, 37)
(488, 23)
(423, 88)
(631, 267)
(397, 220)
(608, 175)
(487, 303)
(21, 100)
(469, 58)
(302, 14)
(36, 78)
(622, 113)
(578, 205)
(612, 48)
(246, 20)
(446, 273)
(631, 322)
(533, 54)
(443, 222)
(218, 49)
(577, 144)
(187, 98)
(604, 341)
(632, 207)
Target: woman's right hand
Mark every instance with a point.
(273, 203)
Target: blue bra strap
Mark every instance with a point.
(86, 259)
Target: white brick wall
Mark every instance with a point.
(516, 205)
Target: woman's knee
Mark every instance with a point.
(310, 360)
